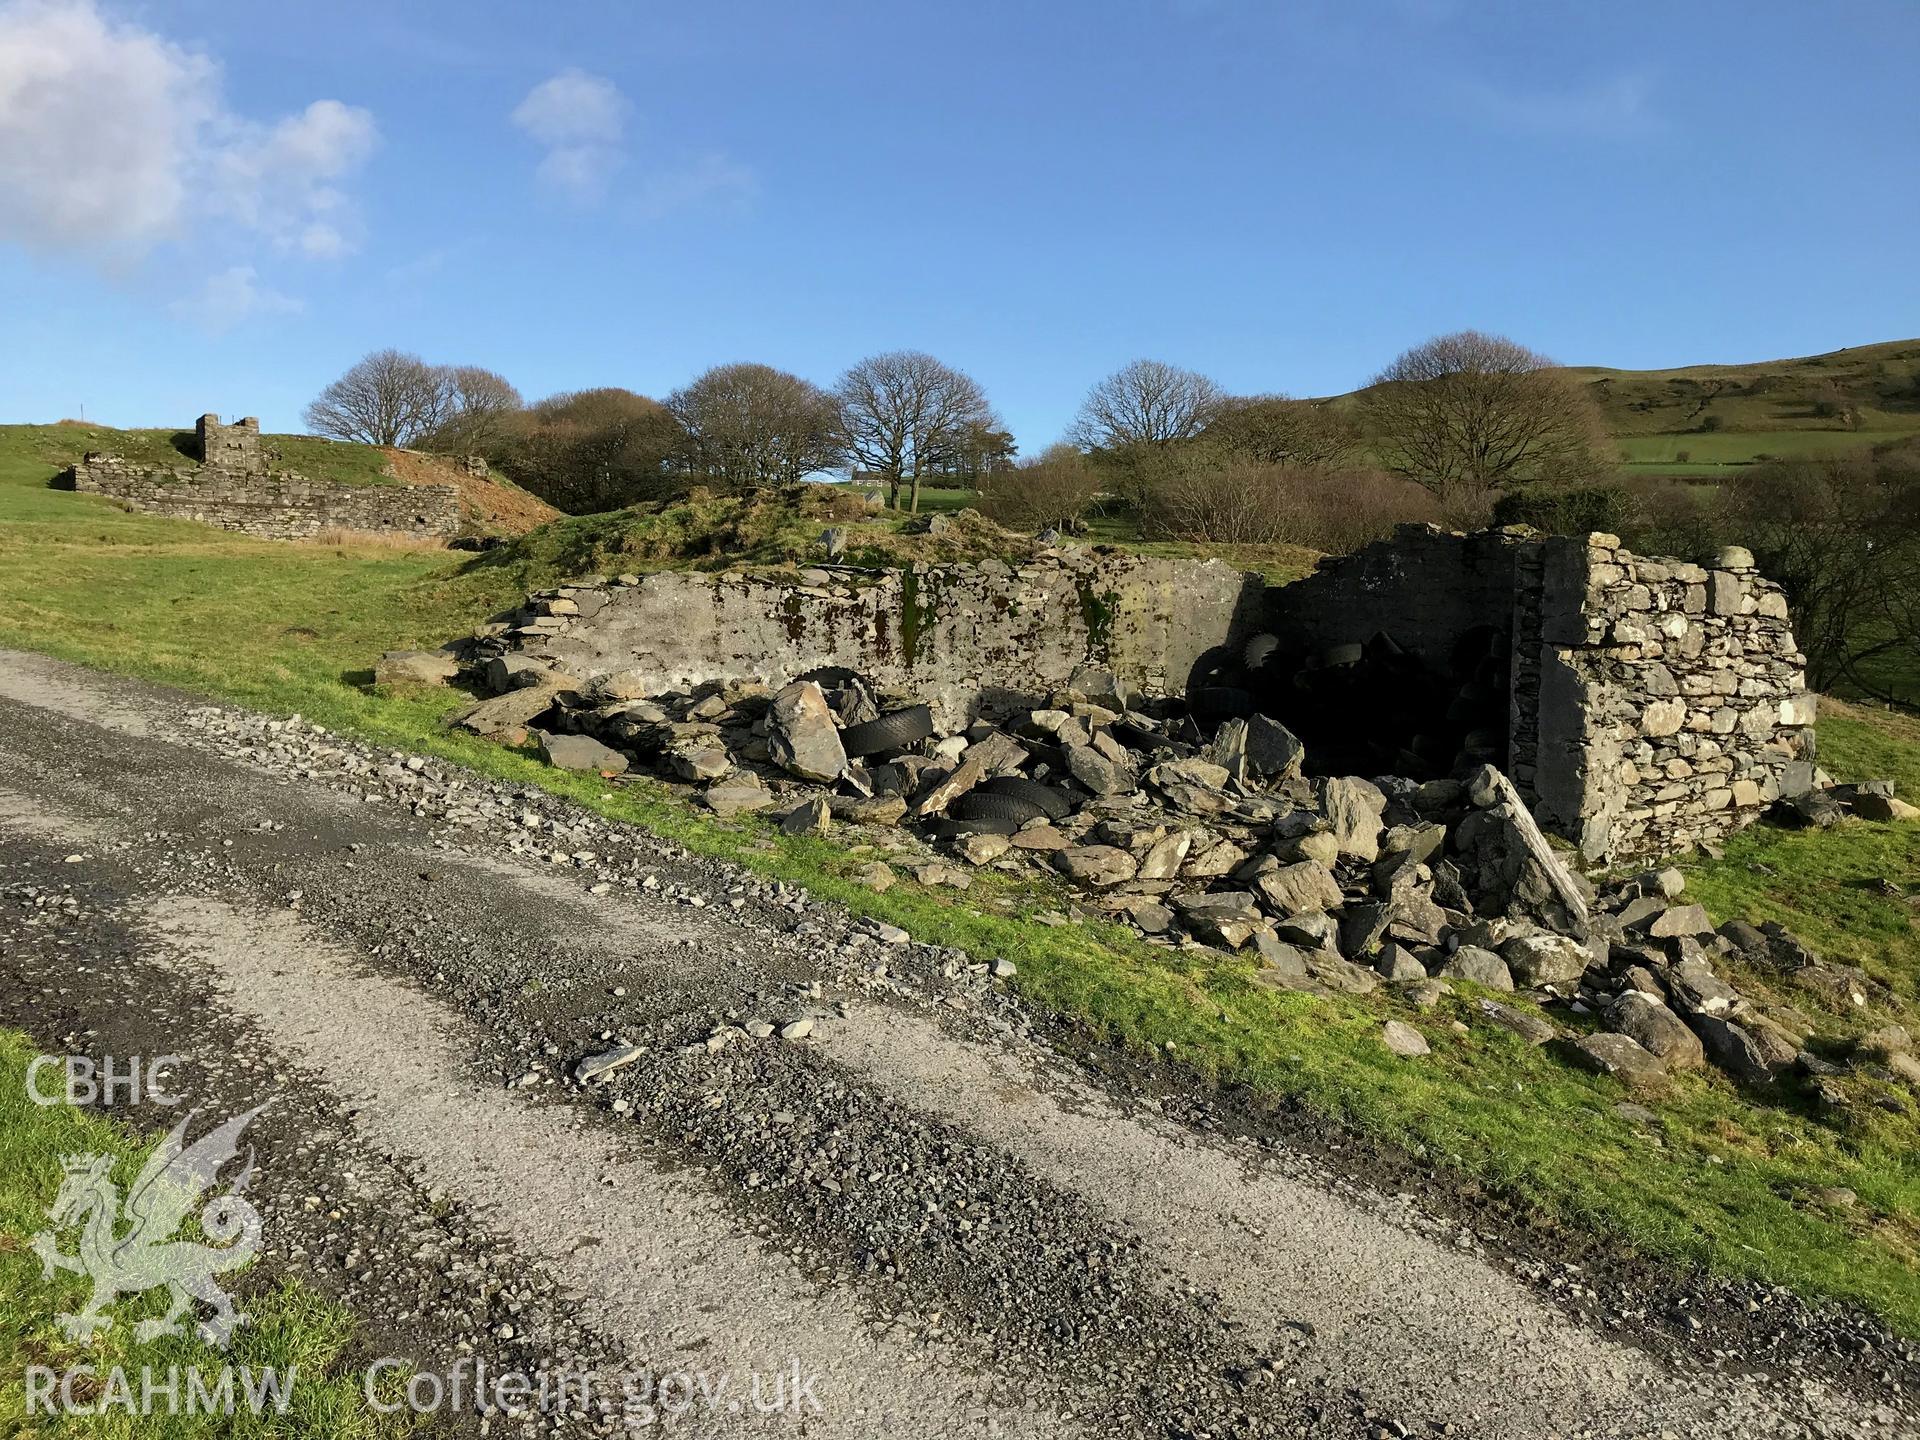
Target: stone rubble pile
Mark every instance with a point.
(1214, 835)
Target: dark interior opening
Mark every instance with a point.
(1372, 707)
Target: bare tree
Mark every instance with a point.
(1230, 501)
(905, 415)
(1148, 403)
(479, 405)
(1841, 533)
(1277, 430)
(750, 425)
(1221, 498)
(1469, 414)
(389, 398)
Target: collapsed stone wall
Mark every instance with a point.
(962, 637)
(1649, 704)
(234, 488)
(1653, 703)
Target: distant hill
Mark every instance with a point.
(1878, 384)
(1720, 415)
(1704, 419)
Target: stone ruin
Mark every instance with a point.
(236, 487)
(1123, 724)
(230, 449)
(1641, 706)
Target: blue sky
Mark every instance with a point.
(213, 205)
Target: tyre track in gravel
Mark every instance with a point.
(654, 1261)
(218, 834)
(1398, 1315)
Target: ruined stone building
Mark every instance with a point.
(1650, 703)
(1640, 705)
(236, 487)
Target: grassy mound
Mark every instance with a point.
(761, 529)
(493, 505)
(58, 446)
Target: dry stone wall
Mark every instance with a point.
(961, 637)
(1654, 703)
(235, 489)
(1673, 704)
(277, 507)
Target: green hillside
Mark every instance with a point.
(1705, 420)
(1864, 388)
(58, 446)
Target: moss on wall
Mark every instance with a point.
(1096, 613)
(918, 605)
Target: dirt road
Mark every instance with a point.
(907, 1206)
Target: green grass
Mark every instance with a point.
(1724, 1179)
(1825, 885)
(1719, 452)
(945, 501)
(1120, 526)
(292, 1332)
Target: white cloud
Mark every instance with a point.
(99, 129)
(280, 180)
(581, 121)
(579, 171)
(573, 108)
(230, 297)
(114, 140)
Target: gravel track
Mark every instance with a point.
(960, 1231)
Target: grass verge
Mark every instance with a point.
(303, 1339)
(1728, 1180)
